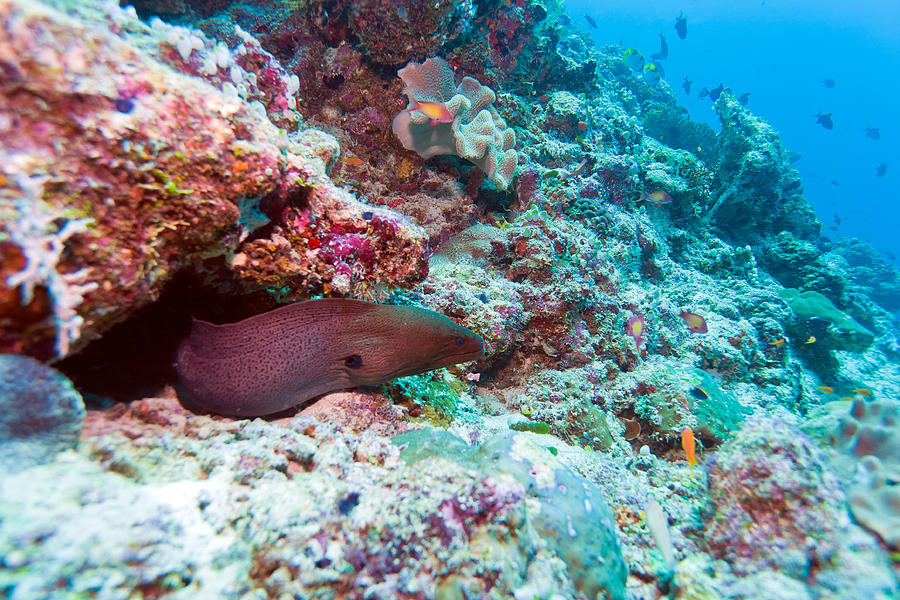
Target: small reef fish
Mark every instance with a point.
(699, 393)
(863, 391)
(872, 133)
(829, 82)
(651, 73)
(578, 169)
(712, 94)
(681, 25)
(694, 322)
(633, 58)
(686, 85)
(637, 324)
(744, 98)
(663, 49)
(825, 389)
(846, 399)
(590, 21)
(352, 161)
(436, 111)
(824, 120)
(656, 198)
(810, 340)
(687, 442)
(881, 169)
(778, 343)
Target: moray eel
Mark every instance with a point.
(279, 359)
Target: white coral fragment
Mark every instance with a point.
(33, 232)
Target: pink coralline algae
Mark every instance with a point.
(389, 32)
(159, 171)
(773, 503)
(476, 131)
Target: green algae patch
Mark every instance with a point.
(716, 412)
(844, 333)
(566, 510)
(532, 426)
(437, 392)
(719, 412)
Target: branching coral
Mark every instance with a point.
(32, 231)
(473, 129)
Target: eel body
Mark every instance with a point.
(279, 359)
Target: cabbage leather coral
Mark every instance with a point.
(443, 118)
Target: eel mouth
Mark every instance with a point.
(445, 361)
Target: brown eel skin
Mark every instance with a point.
(279, 359)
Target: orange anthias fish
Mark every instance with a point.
(863, 391)
(687, 442)
(811, 340)
(778, 343)
(694, 322)
(436, 111)
(826, 389)
(352, 161)
(657, 198)
(636, 327)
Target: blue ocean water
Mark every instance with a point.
(781, 52)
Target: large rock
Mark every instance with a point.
(569, 512)
(40, 412)
(759, 192)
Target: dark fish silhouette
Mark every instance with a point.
(824, 120)
(716, 92)
(794, 157)
(686, 84)
(829, 82)
(681, 25)
(590, 21)
(703, 93)
(873, 133)
(881, 169)
(744, 98)
(835, 182)
(663, 49)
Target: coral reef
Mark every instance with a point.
(103, 222)
(758, 193)
(214, 160)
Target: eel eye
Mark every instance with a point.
(354, 361)
(460, 341)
